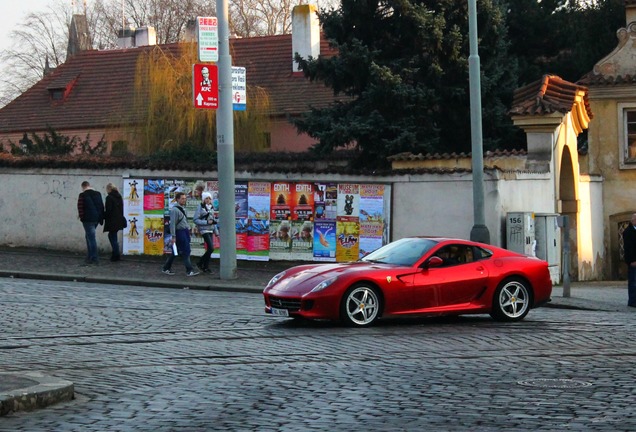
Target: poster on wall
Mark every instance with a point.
(371, 217)
(133, 239)
(258, 198)
(133, 195)
(348, 202)
(281, 200)
(303, 240)
(153, 197)
(303, 208)
(240, 211)
(280, 240)
(273, 220)
(324, 240)
(347, 241)
(370, 237)
(153, 235)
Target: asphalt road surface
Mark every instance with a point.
(152, 359)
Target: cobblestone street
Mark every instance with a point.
(152, 359)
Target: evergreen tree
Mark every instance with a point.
(402, 74)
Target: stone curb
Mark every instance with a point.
(191, 283)
(38, 391)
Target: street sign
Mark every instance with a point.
(205, 86)
(239, 89)
(208, 39)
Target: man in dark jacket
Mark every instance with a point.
(629, 244)
(90, 208)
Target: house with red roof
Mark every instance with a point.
(92, 92)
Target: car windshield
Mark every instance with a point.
(404, 252)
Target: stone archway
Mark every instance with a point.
(568, 205)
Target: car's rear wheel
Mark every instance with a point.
(512, 300)
(360, 305)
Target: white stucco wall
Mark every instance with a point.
(39, 207)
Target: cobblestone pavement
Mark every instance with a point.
(152, 359)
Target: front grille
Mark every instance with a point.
(291, 305)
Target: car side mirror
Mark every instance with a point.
(433, 261)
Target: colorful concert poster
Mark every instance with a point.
(153, 197)
(153, 235)
(258, 239)
(303, 208)
(281, 201)
(347, 241)
(324, 240)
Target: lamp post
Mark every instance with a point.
(479, 232)
(225, 149)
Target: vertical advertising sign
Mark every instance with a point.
(239, 88)
(205, 86)
(208, 39)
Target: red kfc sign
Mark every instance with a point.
(205, 86)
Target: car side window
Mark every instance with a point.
(456, 254)
(481, 254)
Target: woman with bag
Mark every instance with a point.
(205, 222)
(114, 219)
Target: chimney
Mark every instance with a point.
(130, 37)
(126, 37)
(630, 12)
(305, 33)
(145, 36)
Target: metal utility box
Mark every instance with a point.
(548, 237)
(520, 233)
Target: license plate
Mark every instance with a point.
(280, 312)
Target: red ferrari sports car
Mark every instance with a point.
(414, 276)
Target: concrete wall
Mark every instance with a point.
(39, 207)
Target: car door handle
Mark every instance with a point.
(480, 269)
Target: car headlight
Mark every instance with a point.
(324, 284)
(275, 279)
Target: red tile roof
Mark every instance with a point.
(548, 95)
(100, 86)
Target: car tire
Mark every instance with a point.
(360, 306)
(512, 300)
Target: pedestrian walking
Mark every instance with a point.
(114, 220)
(179, 236)
(206, 224)
(90, 209)
(629, 244)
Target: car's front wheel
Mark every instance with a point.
(512, 300)
(360, 305)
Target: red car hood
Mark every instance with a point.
(302, 279)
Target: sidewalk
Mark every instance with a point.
(17, 390)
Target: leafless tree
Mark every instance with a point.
(42, 37)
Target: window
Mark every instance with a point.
(455, 254)
(630, 134)
(627, 134)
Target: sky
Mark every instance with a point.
(12, 11)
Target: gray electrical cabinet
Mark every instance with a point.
(548, 237)
(520, 233)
